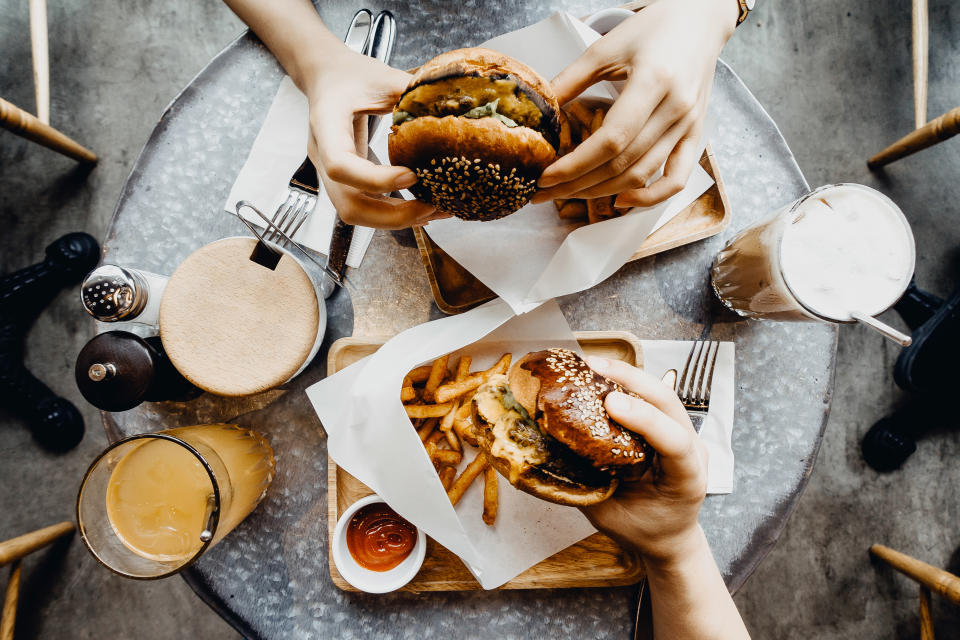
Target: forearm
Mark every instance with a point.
(293, 32)
(689, 598)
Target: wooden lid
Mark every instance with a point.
(233, 327)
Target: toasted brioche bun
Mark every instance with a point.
(567, 396)
(551, 487)
(477, 168)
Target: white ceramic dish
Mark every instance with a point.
(604, 21)
(365, 579)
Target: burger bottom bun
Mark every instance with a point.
(549, 487)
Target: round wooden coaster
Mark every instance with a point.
(233, 327)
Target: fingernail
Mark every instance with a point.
(597, 363)
(546, 182)
(618, 402)
(539, 197)
(406, 180)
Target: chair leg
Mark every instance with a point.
(24, 124)
(9, 616)
(15, 548)
(926, 620)
(921, 31)
(946, 126)
(937, 580)
(41, 57)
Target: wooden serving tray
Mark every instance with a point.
(595, 561)
(456, 290)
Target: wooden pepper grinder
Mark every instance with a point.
(118, 370)
(55, 423)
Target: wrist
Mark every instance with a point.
(723, 16)
(672, 554)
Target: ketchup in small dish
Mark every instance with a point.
(378, 538)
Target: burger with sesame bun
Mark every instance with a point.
(544, 428)
(478, 128)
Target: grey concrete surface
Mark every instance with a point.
(836, 76)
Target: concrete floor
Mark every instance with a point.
(835, 76)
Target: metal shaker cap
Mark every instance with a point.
(110, 293)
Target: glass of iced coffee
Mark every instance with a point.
(841, 253)
(152, 504)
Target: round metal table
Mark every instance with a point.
(270, 577)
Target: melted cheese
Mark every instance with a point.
(456, 96)
(504, 423)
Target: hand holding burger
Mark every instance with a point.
(657, 514)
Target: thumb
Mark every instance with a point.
(575, 79)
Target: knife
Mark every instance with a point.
(378, 44)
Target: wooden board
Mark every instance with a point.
(596, 561)
(456, 290)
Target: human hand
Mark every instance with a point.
(342, 91)
(667, 54)
(657, 514)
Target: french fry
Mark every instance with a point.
(408, 394)
(559, 202)
(426, 429)
(465, 479)
(597, 121)
(420, 374)
(463, 367)
(438, 371)
(566, 140)
(428, 410)
(446, 425)
(454, 390)
(502, 364)
(580, 112)
(490, 495)
(447, 474)
(464, 429)
(445, 456)
(573, 210)
(600, 209)
(435, 437)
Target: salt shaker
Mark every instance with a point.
(111, 293)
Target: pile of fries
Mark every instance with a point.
(438, 402)
(583, 121)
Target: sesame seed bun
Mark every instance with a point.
(561, 446)
(567, 396)
(476, 168)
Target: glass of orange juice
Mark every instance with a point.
(153, 503)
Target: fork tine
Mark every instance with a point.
(688, 390)
(710, 375)
(292, 220)
(698, 397)
(686, 368)
(311, 203)
(271, 233)
(698, 371)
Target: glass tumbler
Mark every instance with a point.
(152, 504)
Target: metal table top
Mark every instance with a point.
(270, 577)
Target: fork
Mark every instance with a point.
(294, 211)
(693, 387)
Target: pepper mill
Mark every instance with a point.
(55, 423)
(118, 370)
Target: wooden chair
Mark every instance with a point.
(37, 128)
(930, 579)
(926, 134)
(11, 552)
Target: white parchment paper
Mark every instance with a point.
(370, 436)
(533, 255)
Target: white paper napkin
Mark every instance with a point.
(659, 356)
(370, 436)
(533, 255)
(276, 155)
